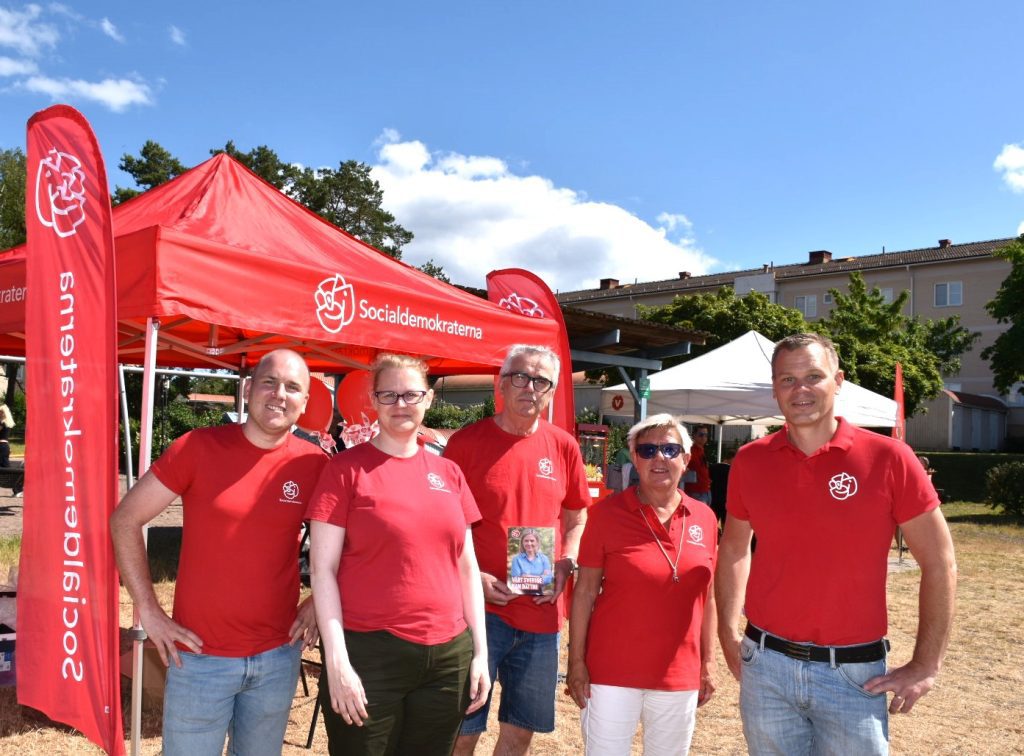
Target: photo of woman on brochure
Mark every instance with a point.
(530, 571)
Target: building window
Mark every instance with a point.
(808, 305)
(949, 294)
(886, 295)
(826, 298)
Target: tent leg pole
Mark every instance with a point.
(145, 450)
(129, 466)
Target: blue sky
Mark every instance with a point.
(579, 140)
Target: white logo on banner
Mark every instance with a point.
(522, 305)
(60, 193)
(335, 303)
(842, 486)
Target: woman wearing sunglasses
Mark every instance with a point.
(646, 562)
(397, 590)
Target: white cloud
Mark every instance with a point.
(1011, 163)
(177, 35)
(12, 67)
(116, 94)
(472, 214)
(110, 30)
(25, 33)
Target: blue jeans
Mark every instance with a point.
(796, 708)
(526, 665)
(246, 698)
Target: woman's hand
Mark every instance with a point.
(479, 683)
(707, 684)
(577, 683)
(347, 695)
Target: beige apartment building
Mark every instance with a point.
(948, 279)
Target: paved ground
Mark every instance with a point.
(12, 508)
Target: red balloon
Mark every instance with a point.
(319, 411)
(355, 408)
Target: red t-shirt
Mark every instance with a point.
(242, 509)
(645, 628)
(519, 480)
(405, 523)
(699, 465)
(824, 525)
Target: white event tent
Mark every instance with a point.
(732, 385)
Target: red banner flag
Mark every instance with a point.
(523, 292)
(67, 652)
(899, 430)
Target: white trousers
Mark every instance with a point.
(610, 718)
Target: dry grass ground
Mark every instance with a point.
(977, 708)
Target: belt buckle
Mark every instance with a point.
(799, 651)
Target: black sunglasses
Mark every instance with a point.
(668, 451)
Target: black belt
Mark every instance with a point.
(867, 652)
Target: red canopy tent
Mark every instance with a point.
(233, 268)
(217, 267)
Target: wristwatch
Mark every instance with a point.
(573, 564)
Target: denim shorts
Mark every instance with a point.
(790, 706)
(247, 699)
(526, 665)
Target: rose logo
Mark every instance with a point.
(290, 489)
(435, 480)
(842, 486)
(335, 303)
(60, 193)
(545, 466)
(696, 533)
(522, 305)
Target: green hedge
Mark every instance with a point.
(961, 475)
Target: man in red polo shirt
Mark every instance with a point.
(824, 499)
(236, 636)
(697, 481)
(525, 474)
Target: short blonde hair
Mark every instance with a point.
(802, 341)
(663, 421)
(388, 361)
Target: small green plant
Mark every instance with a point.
(1004, 487)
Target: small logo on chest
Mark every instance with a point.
(842, 486)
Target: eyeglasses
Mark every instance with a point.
(700, 434)
(668, 451)
(521, 380)
(392, 397)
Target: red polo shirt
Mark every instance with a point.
(645, 628)
(824, 525)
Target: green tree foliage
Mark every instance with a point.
(433, 269)
(1004, 488)
(351, 199)
(154, 166)
(1006, 355)
(725, 316)
(12, 198)
(444, 414)
(872, 335)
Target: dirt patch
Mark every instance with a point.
(975, 708)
